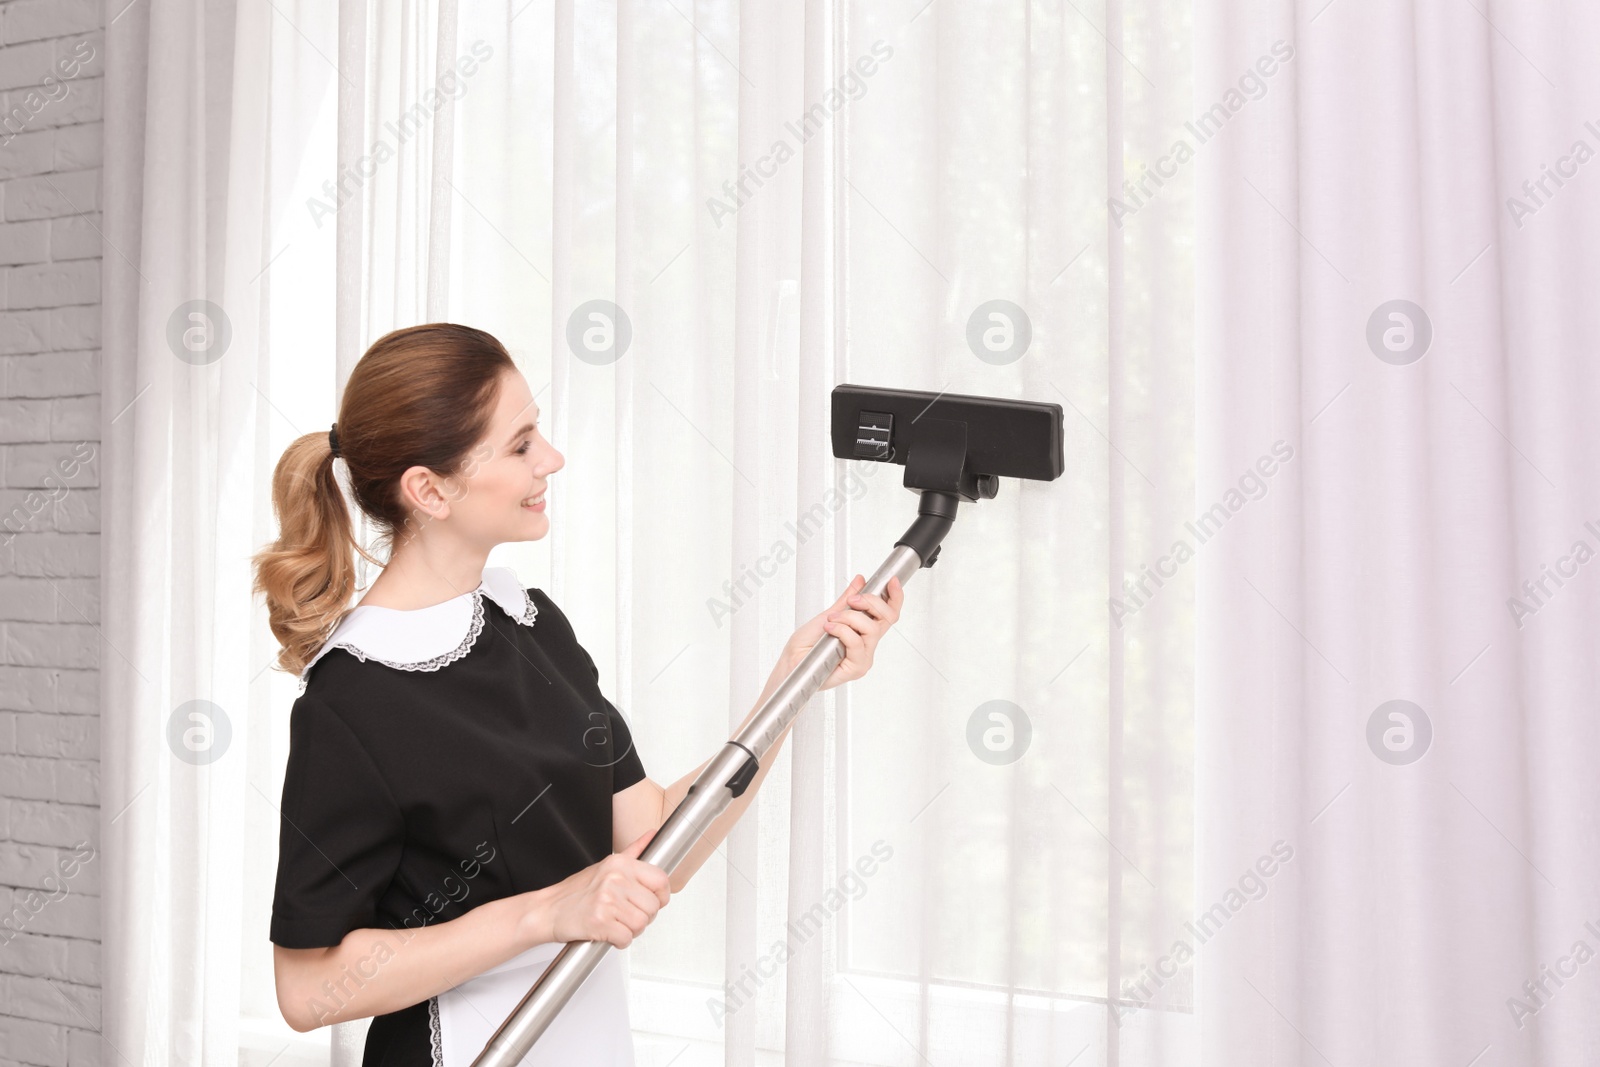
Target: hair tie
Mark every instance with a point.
(333, 439)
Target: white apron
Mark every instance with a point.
(593, 1028)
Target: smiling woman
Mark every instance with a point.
(420, 421)
(432, 714)
(436, 715)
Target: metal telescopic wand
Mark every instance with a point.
(723, 779)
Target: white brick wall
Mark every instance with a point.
(51, 60)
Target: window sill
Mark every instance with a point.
(263, 1041)
(876, 1021)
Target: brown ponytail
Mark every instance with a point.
(419, 396)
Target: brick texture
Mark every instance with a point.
(52, 54)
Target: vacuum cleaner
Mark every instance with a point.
(954, 448)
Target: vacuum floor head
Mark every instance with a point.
(954, 448)
(949, 442)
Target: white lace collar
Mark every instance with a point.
(425, 639)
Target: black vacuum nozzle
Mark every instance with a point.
(948, 442)
(953, 447)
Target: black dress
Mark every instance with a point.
(439, 759)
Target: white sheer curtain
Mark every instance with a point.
(935, 899)
(1422, 546)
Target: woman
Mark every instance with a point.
(460, 799)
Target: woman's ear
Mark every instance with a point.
(424, 494)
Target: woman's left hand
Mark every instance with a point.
(857, 619)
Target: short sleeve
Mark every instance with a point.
(340, 833)
(627, 768)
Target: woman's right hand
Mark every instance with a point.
(613, 900)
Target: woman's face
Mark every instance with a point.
(505, 472)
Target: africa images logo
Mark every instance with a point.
(1252, 85)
